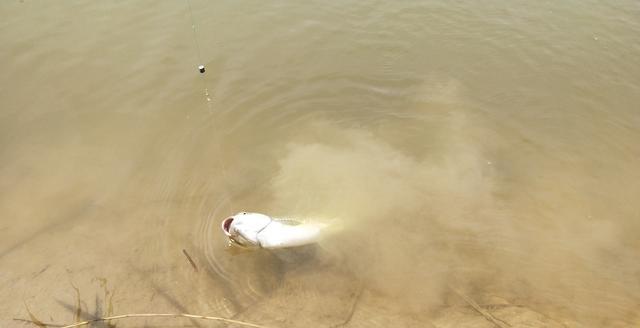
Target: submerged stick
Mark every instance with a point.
(482, 311)
(354, 304)
(155, 315)
(193, 264)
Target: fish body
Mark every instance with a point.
(262, 231)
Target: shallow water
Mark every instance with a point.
(486, 150)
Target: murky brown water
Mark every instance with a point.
(491, 148)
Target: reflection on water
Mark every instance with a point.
(469, 158)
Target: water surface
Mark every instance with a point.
(487, 150)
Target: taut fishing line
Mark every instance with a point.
(201, 66)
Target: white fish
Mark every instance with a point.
(259, 230)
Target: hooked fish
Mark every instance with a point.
(262, 231)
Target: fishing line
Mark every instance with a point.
(202, 70)
(201, 66)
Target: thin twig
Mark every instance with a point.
(142, 315)
(352, 309)
(44, 324)
(482, 311)
(78, 313)
(193, 264)
(148, 315)
(33, 317)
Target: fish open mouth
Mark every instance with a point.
(226, 225)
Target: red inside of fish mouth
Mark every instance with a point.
(226, 224)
